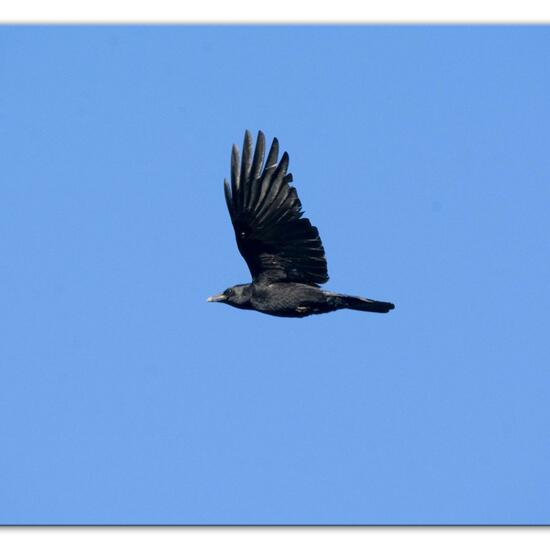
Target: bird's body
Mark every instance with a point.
(295, 300)
(282, 249)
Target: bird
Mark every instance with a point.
(282, 249)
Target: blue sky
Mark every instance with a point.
(421, 154)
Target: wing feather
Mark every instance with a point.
(235, 174)
(246, 166)
(277, 243)
(256, 171)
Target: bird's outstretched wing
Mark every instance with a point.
(277, 243)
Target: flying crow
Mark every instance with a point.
(282, 249)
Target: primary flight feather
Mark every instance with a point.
(282, 249)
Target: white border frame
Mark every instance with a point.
(286, 12)
(268, 538)
(281, 11)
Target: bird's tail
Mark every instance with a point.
(343, 301)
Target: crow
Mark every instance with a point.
(283, 251)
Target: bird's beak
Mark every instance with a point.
(217, 298)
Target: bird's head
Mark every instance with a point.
(236, 296)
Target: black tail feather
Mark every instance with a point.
(343, 301)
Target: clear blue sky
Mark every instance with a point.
(422, 154)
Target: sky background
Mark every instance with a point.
(422, 156)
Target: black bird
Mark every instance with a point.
(282, 249)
